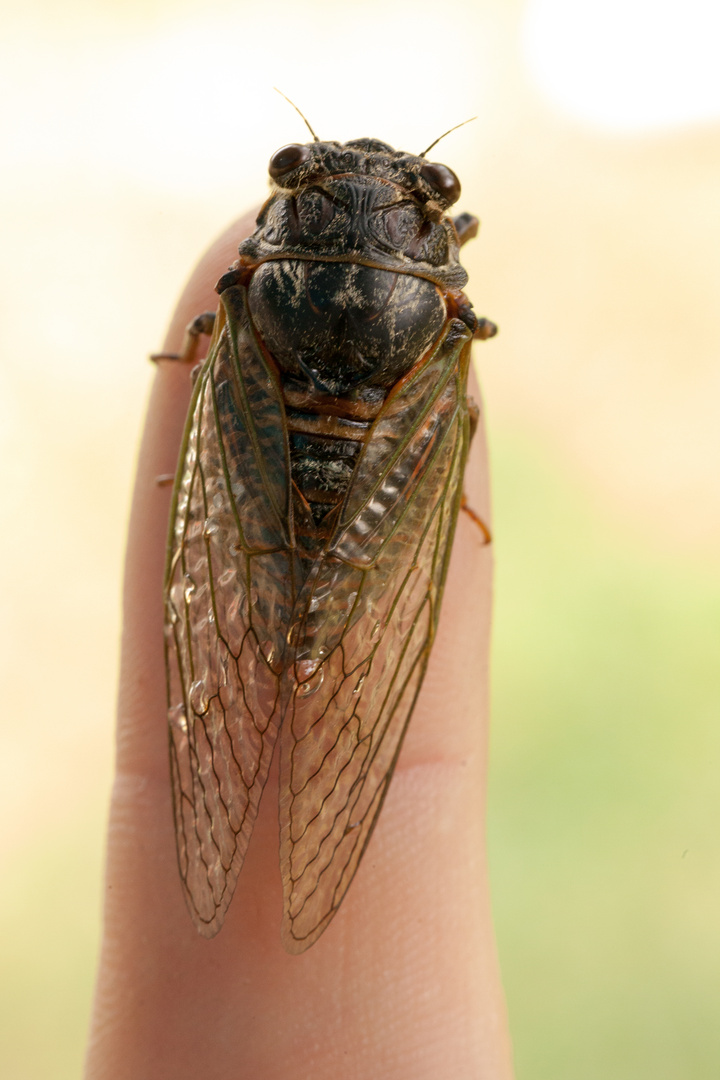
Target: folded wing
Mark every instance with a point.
(361, 632)
(231, 583)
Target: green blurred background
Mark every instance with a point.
(130, 134)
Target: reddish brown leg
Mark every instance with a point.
(473, 416)
(487, 536)
(485, 329)
(201, 324)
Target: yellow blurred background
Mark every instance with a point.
(131, 133)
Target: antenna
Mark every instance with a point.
(432, 143)
(298, 111)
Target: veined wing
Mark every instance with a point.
(362, 631)
(229, 591)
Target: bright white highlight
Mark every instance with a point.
(627, 65)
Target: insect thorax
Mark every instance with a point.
(347, 276)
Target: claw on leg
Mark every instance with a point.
(201, 324)
(477, 519)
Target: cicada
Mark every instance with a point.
(317, 492)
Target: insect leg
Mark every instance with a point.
(459, 307)
(473, 416)
(477, 519)
(466, 227)
(485, 329)
(201, 324)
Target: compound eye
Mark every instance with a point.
(287, 158)
(443, 180)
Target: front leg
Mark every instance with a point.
(466, 227)
(201, 325)
(460, 307)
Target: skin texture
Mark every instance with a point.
(404, 983)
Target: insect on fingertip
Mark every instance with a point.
(313, 512)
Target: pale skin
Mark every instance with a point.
(404, 983)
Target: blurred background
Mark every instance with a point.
(131, 133)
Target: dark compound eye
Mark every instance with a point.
(443, 180)
(287, 158)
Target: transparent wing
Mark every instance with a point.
(362, 632)
(230, 588)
